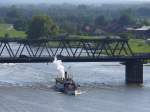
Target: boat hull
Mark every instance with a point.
(61, 88)
(66, 85)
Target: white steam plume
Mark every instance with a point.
(59, 67)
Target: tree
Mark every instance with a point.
(13, 14)
(41, 27)
(2, 20)
(21, 24)
(127, 18)
(101, 21)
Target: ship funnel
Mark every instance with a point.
(66, 75)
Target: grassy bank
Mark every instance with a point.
(10, 31)
(139, 46)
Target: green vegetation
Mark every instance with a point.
(81, 19)
(9, 31)
(86, 22)
(41, 27)
(139, 46)
(83, 37)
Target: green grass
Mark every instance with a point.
(87, 37)
(8, 29)
(83, 37)
(139, 46)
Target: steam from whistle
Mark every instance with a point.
(59, 67)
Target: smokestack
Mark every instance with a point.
(66, 75)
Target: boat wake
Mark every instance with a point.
(8, 64)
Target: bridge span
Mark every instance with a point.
(75, 50)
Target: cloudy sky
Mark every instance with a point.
(72, 1)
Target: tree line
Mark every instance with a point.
(40, 21)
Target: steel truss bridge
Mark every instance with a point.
(44, 50)
(75, 50)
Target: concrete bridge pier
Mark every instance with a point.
(134, 72)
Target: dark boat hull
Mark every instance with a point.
(66, 86)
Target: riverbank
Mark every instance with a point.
(8, 30)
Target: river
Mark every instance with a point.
(28, 88)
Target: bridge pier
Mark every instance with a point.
(134, 72)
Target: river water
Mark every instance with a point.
(103, 86)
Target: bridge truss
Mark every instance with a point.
(66, 47)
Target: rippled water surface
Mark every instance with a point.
(102, 84)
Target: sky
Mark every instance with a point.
(72, 1)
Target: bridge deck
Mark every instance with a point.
(71, 59)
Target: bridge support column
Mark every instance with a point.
(134, 72)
